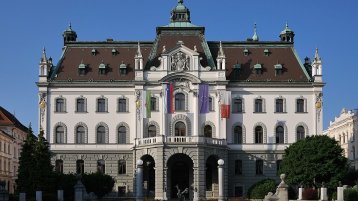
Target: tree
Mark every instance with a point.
(261, 188)
(314, 160)
(26, 161)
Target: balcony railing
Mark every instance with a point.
(179, 140)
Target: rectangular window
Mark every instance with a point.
(153, 104)
(238, 167)
(278, 166)
(80, 166)
(279, 105)
(258, 105)
(239, 191)
(237, 105)
(80, 107)
(101, 105)
(60, 105)
(300, 105)
(82, 71)
(122, 105)
(102, 71)
(211, 106)
(259, 167)
(122, 167)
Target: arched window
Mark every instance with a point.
(152, 131)
(101, 166)
(60, 132)
(179, 102)
(180, 129)
(300, 133)
(279, 135)
(80, 166)
(122, 132)
(259, 135)
(101, 135)
(208, 131)
(238, 135)
(80, 135)
(59, 166)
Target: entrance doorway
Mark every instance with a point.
(148, 176)
(180, 176)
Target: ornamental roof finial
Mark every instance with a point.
(221, 51)
(181, 1)
(139, 52)
(43, 57)
(255, 37)
(316, 56)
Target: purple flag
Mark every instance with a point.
(204, 98)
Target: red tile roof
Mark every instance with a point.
(8, 119)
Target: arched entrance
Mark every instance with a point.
(180, 175)
(148, 176)
(211, 175)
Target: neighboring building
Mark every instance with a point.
(12, 136)
(344, 129)
(92, 108)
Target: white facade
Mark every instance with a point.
(344, 129)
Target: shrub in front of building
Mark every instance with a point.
(261, 188)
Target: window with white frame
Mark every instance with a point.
(80, 135)
(238, 136)
(237, 105)
(101, 105)
(179, 102)
(280, 134)
(279, 105)
(60, 135)
(300, 133)
(101, 166)
(122, 169)
(80, 105)
(122, 105)
(60, 105)
(101, 135)
(259, 135)
(300, 105)
(122, 135)
(258, 105)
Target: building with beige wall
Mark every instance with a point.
(344, 128)
(12, 136)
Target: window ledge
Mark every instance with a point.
(280, 112)
(123, 112)
(259, 112)
(102, 112)
(81, 112)
(61, 112)
(237, 112)
(301, 112)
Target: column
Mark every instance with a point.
(221, 179)
(139, 181)
(324, 194)
(38, 195)
(340, 194)
(300, 191)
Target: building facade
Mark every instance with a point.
(12, 136)
(344, 129)
(107, 104)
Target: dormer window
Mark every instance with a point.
(94, 52)
(102, 69)
(82, 69)
(278, 69)
(246, 52)
(267, 52)
(123, 69)
(258, 69)
(114, 52)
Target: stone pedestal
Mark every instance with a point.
(38, 195)
(139, 181)
(4, 195)
(22, 197)
(80, 190)
(324, 196)
(281, 191)
(60, 195)
(300, 191)
(340, 196)
(221, 179)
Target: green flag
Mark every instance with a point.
(149, 104)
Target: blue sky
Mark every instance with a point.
(28, 26)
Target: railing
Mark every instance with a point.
(179, 140)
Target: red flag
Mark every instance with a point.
(225, 104)
(171, 98)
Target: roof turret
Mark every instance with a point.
(69, 35)
(287, 35)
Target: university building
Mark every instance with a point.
(12, 136)
(107, 104)
(344, 129)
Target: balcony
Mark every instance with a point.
(179, 140)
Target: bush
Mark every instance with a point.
(350, 195)
(261, 188)
(309, 194)
(99, 184)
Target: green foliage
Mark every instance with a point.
(66, 182)
(350, 195)
(351, 177)
(35, 169)
(24, 181)
(261, 188)
(99, 184)
(315, 159)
